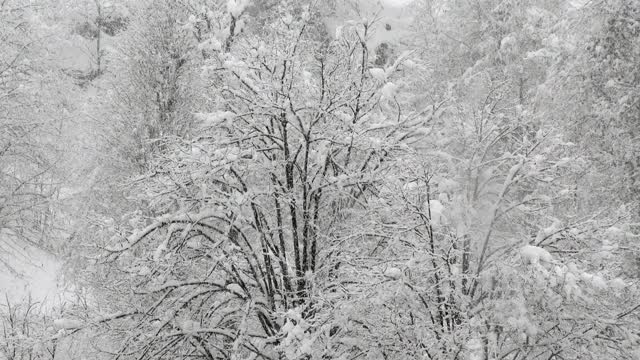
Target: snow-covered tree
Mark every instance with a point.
(328, 204)
(26, 331)
(29, 123)
(266, 203)
(152, 85)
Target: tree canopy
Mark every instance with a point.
(323, 180)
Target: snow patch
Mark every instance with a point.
(448, 185)
(598, 282)
(617, 284)
(194, 243)
(338, 32)
(215, 118)
(144, 271)
(188, 325)
(614, 233)
(236, 7)
(410, 64)
(533, 254)
(27, 270)
(67, 323)
(395, 3)
(389, 90)
(436, 208)
(236, 289)
(393, 273)
(378, 74)
(210, 44)
(507, 42)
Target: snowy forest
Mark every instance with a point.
(319, 179)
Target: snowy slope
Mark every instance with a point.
(25, 269)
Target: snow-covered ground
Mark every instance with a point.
(26, 269)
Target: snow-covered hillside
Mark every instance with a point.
(27, 270)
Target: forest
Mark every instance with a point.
(319, 179)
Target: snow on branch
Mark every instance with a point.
(168, 220)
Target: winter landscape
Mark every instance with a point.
(319, 179)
